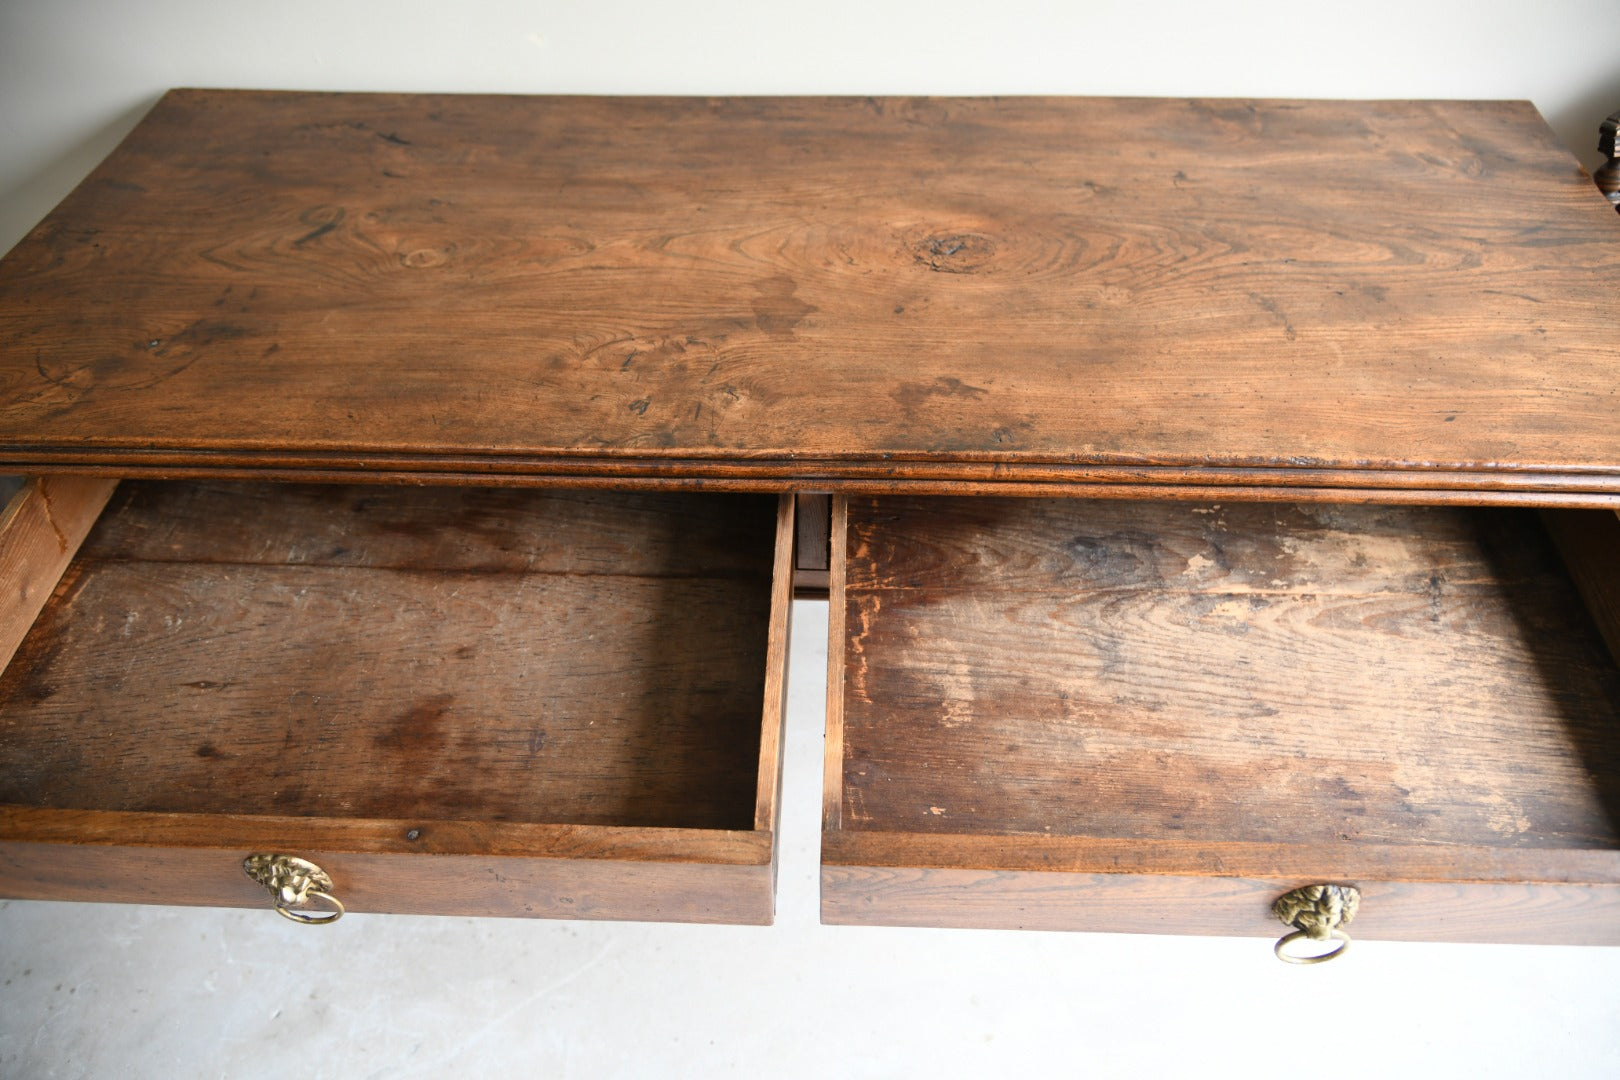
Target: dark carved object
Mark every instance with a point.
(1608, 176)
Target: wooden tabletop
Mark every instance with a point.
(1402, 300)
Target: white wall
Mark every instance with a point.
(75, 75)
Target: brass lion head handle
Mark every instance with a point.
(294, 884)
(1317, 912)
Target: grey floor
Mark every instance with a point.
(106, 991)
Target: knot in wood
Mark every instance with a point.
(954, 253)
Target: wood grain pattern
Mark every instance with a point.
(43, 524)
(1268, 485)
(475, 884)
(460, 529)
(364, 671)
(386, 836)
(1172, 854)
(814, 516)
(404, 866)
(767, 800)
(392, 677)
(1276, 296)
(1313, 692)
(838, 642)
(1509, 913)
(1301, 675)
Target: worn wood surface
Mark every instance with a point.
(767, 797)
(1172, 854)
(403, 865)
(1288, 674)
(832, 771)
(460, 529)
(385, 836)
(1036, 481)
(428, 654)
(474, 884)
(814, 516)
(43, 524)
(1502, 913)
(1275, 297)
(1374, 693)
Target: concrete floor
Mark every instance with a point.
(107, 991)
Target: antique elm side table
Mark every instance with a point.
(1216, 499)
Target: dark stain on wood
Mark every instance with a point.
(418, 732)
(911, 397)
(777, 310)
(1306, 675)
(785, 234)
(589, 658)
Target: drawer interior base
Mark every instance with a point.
(592, 658)
(1202, 689)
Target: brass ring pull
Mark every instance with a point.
(294, 883)
(1281, 948)
(1317, 912)
(333, 913)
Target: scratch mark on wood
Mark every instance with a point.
(315, 233)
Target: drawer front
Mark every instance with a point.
(451, 868)
(1162, 717)
(452, 700)
(893, 881)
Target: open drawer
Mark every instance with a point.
(451, 700)
(1160, 717)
